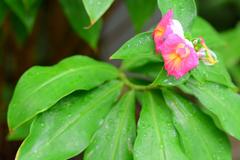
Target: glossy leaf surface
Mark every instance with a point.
(157, 138)
(67, 128)
(41, 87)
(215, 73)
(184, 10)
(142, 45)
(114, 140)
(200, 138)
(163, 79)
(96, 8)
(221, 103)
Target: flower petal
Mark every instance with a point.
(166, 27)
(178, 55)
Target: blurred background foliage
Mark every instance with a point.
(41, 32)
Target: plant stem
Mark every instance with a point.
(128, 83)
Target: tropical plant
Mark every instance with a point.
(138, 111)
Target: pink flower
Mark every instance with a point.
(166, 27)
(179, 56)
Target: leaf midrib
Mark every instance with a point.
(221, 103)
(156, 127)
(47, 82)
(99, 99)
(122, 123)
(70, 70)
(193, 126)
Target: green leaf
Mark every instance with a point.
(149, 70)
(202, 28)
(114, 140)
(20, 133)
(135, 10)
(200, 138)
(157, 138)
(184, 10)
(21, 33)
(142, 45)
(96, 8)
(41, 87)
(137, 62)
(235, 72)
(3, 11)
(215, 73)
(77, 16)
(28, 3)
(221, 103)
(231, 52)
(26, 10)
(66, 129)
(165, 80)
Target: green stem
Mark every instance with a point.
(128, 83)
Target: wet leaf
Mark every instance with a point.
(114, 140)
(157, 138)
(142, 45)
(215, 73)
(200, 138)
(221, 103)
(96, 8)
(41, 87)
(67, 128)
(163, 79)
(184, 10)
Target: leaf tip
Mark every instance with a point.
(92, 22)
(112, 57)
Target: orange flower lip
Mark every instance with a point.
(182, 50)
(179, 56)
(159, 31)
(178, 53)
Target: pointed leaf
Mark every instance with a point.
(200, 138)
(135, 10)
(96, 8)
(78, 19)
(41, 87)
(26, 13)
(221, 103)
(66, 129)
(157, 138)
(20, 133)
(115, 138)
(184, 10)
(141, 45)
